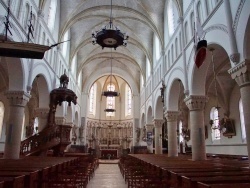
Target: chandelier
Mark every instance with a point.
(110, 92)
(110, 36)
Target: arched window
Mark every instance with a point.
(242, 122)
(157, 48)
(36, 123)
(52, 14)
(65, 44)
(208, 9)
(180, 41)
(43, 39)
(148, 67)
(79, 79)
(1, 117)
(73, 65)
(199, 11)
(181, 139)
(192, 23)
(172, 16)
(128, 99)
(186, 33)
(214, 116)
(92, 99)
(142, 81)
(26, 15)
(110, 100)
(169, 60)
(172, 54)
(176, 48)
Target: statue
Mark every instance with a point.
(138, 134)
(64, 80)
(162, 90)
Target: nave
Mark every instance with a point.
(107, 176)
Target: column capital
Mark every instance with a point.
(17, 98)
(196, 102)
(171, 115)
(241, 73)
(149, 127)
(158, 123)
(42, 112)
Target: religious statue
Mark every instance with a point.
(64, 80)
(162, 90)
(138, 134)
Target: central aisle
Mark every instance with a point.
(107, 176)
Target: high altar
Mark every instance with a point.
(109, 139)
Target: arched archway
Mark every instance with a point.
(149, 115)
(158, 111)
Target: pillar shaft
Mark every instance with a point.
(17, 101)
(196, 106)
(149, 128)
(241, 74)
(235, 56)
(171, 117)
(158, 135)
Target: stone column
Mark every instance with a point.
(196, 104)
(241, 74)
(17, 102)
(158, 135)
(42, 114)
(235, 56)
(149, 128)
(171, 117)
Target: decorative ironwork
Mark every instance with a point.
(110, 36)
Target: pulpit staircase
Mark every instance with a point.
(56, 137)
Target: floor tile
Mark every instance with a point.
(107, 176)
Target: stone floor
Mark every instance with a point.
(107, 176)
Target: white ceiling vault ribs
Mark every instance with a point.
(140, 19)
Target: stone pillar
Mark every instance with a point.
(158, 135)
(196, 104)
(42, 114)
(171, 117)
(17, 102)
(235, 56)
(241, 74)
(149, 128)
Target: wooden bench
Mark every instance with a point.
(192, 182)
(12, 181)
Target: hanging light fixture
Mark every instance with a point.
(110, 92)
(215, 78)
(110, 36)
(212, 122)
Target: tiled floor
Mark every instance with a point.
(107, 176)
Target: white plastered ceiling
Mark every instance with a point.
(140, 19)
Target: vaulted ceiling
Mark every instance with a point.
(140, 19)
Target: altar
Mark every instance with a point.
(108, 153)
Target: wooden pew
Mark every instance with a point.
(12, 181)
(224, 185)
(192, 182)
(30, 180)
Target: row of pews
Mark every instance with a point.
(161, 171)
(47, 172)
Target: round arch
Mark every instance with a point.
(149, 115)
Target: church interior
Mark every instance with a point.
(124, 93)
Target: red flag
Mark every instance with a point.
(201, 52)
